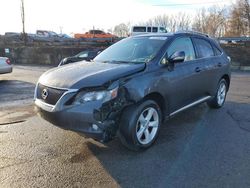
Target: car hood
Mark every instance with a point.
(87, 74)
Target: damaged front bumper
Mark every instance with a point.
(92, 119)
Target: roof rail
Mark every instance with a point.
(192, 32)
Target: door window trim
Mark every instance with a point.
(212, 45)
(189, 61)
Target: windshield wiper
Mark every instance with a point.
(121, 62)
(115, 61)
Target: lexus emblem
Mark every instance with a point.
(45, 93)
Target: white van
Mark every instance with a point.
(138, 30)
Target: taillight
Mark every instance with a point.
(8, 61)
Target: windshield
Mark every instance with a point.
(135, 50)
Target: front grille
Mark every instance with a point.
(53, 95)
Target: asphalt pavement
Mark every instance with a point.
(200, 147)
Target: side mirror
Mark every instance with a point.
(177, 57)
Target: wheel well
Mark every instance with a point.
(226, 77)
(159, 99)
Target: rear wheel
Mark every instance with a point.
(140, 125)
(219, 100)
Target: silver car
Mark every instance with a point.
(5, 65)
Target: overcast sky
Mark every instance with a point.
(81, 15)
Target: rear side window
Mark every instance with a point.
(204, 48)
(182, 44)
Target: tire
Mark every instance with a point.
(219, 99)
(140, 125)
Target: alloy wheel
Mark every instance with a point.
(147, 125)
(221, 94)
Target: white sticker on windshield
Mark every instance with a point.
(158, 38)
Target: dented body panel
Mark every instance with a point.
(87, 74)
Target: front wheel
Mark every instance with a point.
(139, 125)
(219, 100)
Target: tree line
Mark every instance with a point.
(230, 21)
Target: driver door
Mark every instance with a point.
(182, 87)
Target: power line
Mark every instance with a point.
(189, 4)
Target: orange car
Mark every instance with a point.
(95, 34)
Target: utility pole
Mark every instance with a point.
(61, 29)
(23, 22)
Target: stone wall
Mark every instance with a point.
(239, 53)
(42, 55)
(49, 54)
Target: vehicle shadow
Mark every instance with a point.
(180, 136)
(145, 169)
(178, 141)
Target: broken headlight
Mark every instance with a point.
(103, 96)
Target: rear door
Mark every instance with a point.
(207, 63)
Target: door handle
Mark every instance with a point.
(219, 64)
(197, 69)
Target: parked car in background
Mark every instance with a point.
(86, 55)
(139, 30)
(5, 65)
(65, 36)
(45, 33)
(12, 34)
(95, 34)
(134, 85)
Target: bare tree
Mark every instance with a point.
(215, 21)
(122, 30)
(211, 21)
(199, 23)
(239, 21)
(23, 22)
(161, 20)
(180, 21)
(245, 7)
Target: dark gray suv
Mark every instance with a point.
(134, 85)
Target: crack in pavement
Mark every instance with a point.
(12, 122)
(239, 121)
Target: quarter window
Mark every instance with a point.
(204, 48)
(182, 44)
(217, 50)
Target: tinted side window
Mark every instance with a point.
(155, 29)
(204, 48)
(182, 44)
(92, 54)
(149, 29)
(139, 29)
